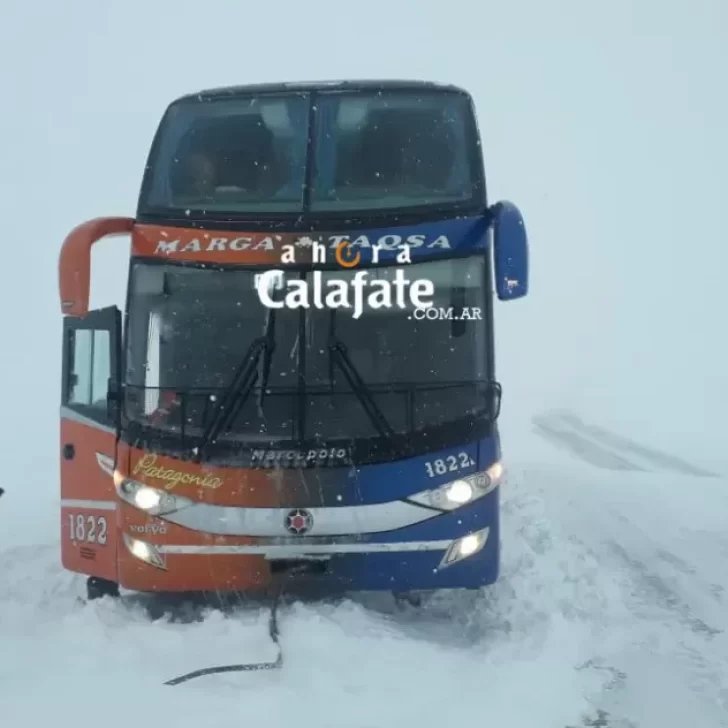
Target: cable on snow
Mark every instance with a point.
(244, 667)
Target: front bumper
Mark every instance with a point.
(459, 549)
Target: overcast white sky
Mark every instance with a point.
(605, 122)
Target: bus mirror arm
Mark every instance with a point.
(113, 400)
(74, 264)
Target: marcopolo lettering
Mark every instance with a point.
(315, 457)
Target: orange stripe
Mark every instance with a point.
(218, 246)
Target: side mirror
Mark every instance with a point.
(510, 251)
(497, 398)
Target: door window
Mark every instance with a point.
(90, 368)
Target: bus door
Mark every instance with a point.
(91, 359)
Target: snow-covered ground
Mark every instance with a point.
(606, 124)
(611, 611)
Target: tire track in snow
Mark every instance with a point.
(608, 450)
(662, 460)
(562, 436)
(671, 631)
(684, 622)
(555, 575)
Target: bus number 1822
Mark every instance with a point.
(87, 529)
(450, 464)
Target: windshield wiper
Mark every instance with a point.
(269, 336)
(340, 355)
(244, 381)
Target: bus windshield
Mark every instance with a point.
(190, 328)
(369, 151)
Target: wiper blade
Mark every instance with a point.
(243, 383)
(236, 394)
(340, 356)
(269, 335)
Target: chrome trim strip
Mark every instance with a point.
(106, 463)
(326, 521)
(274, 551)
(88, 505)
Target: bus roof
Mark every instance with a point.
(309, 86)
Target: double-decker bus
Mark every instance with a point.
(243, 425)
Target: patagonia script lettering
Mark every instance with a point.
(147, 468)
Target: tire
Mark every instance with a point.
(96, 588)
(411, 599)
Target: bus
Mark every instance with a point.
(301, 391)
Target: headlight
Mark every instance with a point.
(153, 501)
(461, 491)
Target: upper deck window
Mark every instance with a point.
(378, 151)
(238, 156)
(367, 151)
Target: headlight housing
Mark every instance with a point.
(145, 552)
(460, 492)
(465, 547)
(153, 501)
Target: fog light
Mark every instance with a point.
(464, 547)
(469, 545)
(145, 552)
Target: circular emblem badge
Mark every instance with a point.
(298, 521)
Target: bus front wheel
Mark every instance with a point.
(96, 587)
